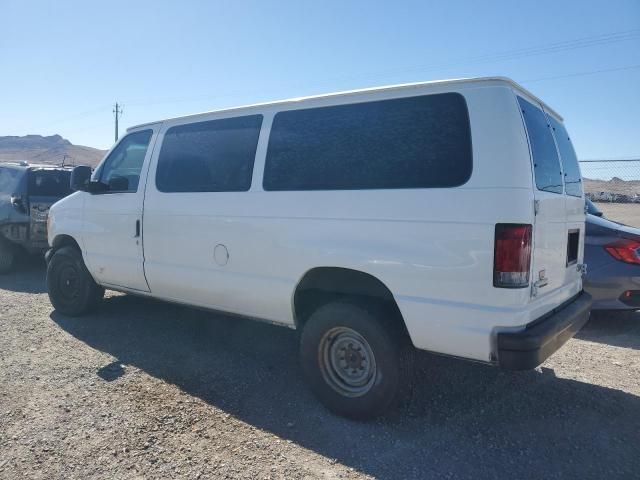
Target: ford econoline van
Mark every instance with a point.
(444, 216)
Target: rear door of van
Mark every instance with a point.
(559, 219)
(574, 201)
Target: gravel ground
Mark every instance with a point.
(142, 389)
(627, 213)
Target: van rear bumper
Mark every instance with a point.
(526, 349)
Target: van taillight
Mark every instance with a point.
(512, 255)
(625, 250)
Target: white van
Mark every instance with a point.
(444, 215)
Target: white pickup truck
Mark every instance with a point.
(445, 216)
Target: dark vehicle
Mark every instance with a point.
(612, 255)
(26, 193)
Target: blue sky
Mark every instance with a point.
(65, 63)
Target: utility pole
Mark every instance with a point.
(117, 111)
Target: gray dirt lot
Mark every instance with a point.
(627, 213)
(143, 389)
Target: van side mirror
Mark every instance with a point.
(80, 178)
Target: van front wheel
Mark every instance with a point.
(72, 290)
(352, 358)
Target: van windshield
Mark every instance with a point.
(49, 183)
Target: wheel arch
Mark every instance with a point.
(64, 240)
(321, 284)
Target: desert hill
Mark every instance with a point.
(615, 186)
(50, 149)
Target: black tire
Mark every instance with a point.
(72, 290)
(330, 352)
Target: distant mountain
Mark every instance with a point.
(615, 185)
(51, 150)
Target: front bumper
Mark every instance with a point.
(526, 349)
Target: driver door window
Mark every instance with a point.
(121, 170)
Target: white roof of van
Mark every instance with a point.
(453, 81)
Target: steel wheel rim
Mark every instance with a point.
(68, 283)
(347, 362)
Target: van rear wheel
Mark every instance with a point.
(352, 357)
(72, 290)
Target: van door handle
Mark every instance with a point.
(137, 229)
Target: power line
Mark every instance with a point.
(580, 74)
(508, 55)
(540, 79)
(516, 54)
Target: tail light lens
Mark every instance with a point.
(512, 255)
(625, 250)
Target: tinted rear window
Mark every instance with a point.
(9, 178)
(213, 156)
(49, 183)
(543, 148)
(417, 142)
(572, 175)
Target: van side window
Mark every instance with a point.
(416, 142)
(212, 156)
(546, 164)
(572, 175)
(121, 170)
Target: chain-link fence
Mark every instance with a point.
(614, 186)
